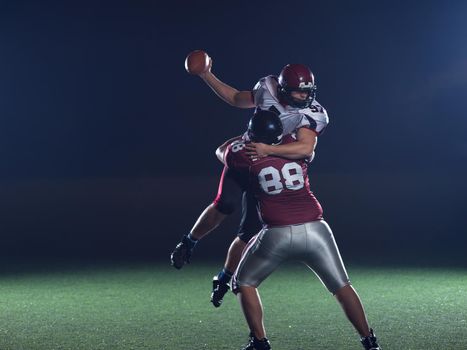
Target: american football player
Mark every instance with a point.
(293, 229)
(292, 96)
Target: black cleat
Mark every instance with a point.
(218, 291)
(182, 252)
(257, 344)
(370, 342)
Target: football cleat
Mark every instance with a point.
(218, 291)
(370, 342)
(182, 252)
(257, 344)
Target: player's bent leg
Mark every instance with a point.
(234, 254)
(209, 219)
(263, 254)
(353, 309)
(324, 259)
(224, 204)
(221, 282)
(322, 256)
(250, 225)
(252, 309)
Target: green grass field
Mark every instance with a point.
(156, 307)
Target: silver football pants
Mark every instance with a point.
(311, 243)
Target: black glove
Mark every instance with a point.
(182, 252)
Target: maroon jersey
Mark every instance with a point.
(280, 185)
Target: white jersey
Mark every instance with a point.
(265, 97)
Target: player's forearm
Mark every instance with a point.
(232, 96)
(294, 150)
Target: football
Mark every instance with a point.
(197, 62)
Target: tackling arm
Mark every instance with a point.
(220, 151)
(303, 148)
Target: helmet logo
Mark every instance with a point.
(304, 85)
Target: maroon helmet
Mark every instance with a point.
(297, 77)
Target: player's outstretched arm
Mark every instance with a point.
(303, 148)
(241, 99)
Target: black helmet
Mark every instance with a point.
(265, 127)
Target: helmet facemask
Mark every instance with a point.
(286, 94)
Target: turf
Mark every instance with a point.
(157, 307)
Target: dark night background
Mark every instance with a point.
(107, 144)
